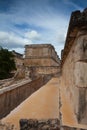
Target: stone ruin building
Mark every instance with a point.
(42, 58)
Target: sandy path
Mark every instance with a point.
(43, 104)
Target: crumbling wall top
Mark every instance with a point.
(78, 22)
(18, 55)
(39, 45)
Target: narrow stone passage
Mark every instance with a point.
(43, 104)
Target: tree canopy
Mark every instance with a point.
(7, 63)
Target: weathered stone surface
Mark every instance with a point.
(81, 74)
(19, 61)
(50, 124)
(72, 128)
(82, 116)
(7, 126)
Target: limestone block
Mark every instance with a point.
(80, 73)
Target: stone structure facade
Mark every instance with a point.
(42, 57)
(74, 64)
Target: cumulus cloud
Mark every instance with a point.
(33, 35)
(11, 40)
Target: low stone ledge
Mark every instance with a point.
(14, 86)
(34, 124)
(7, 126)
(47, 124)
(72, 128)
(5, 80)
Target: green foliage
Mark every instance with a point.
(7, 63)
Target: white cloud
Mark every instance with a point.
(33, 35)
(60, 37)
(18, 49)
(11, 40)
(58, 49)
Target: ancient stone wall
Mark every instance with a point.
(12, 96)
(47, 70)
(19, 61)
(72, 128)
(74, 64)
(41, 61)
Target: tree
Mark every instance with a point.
(7, 63)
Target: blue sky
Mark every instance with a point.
(36, 21)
